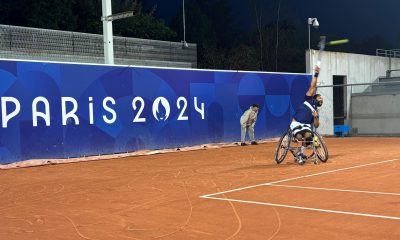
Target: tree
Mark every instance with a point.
(83, 16)
(39, 13)
(88, 14)
(223, 23)
(242, 57)
(256, 6)
(198, 30)
(52, 14)
(211, 25)
(142, 25)
(10, 12)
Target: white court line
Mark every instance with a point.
(335, 189)
(306, 208)
(295, 178)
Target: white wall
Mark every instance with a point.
(356, 67)
(382, 116)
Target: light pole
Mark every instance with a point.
(107, 18)
(184, 43)
(315, 23)
(107, 33)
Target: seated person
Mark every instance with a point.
(306, 115)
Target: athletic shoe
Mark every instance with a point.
(301, 158)
(254, 143)
(243, 144)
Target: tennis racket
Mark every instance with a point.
(321, 45)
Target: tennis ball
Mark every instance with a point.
(315, 140)
(337, 42)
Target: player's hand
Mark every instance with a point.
(315, 114)
(317, 69)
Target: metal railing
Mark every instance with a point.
(372, 87)
(389, 72)
(368, 108)
(360, 84)
(391, 53)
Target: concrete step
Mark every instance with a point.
(391, 79)
(385, 88)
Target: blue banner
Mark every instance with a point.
(57, 110)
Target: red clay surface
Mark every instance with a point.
(158, 197)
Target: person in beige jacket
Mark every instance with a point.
(247, 123)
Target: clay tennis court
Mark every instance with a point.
(224, 193)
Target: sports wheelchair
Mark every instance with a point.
(314, 148)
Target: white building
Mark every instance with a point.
(369, 112)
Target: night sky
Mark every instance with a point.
(353, 19)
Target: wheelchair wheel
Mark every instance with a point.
(283, 147)
(320, 148)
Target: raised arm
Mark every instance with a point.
(313, 84)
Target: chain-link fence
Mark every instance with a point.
(52, 45)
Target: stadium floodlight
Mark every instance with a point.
(107, 19)
(314, 22)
